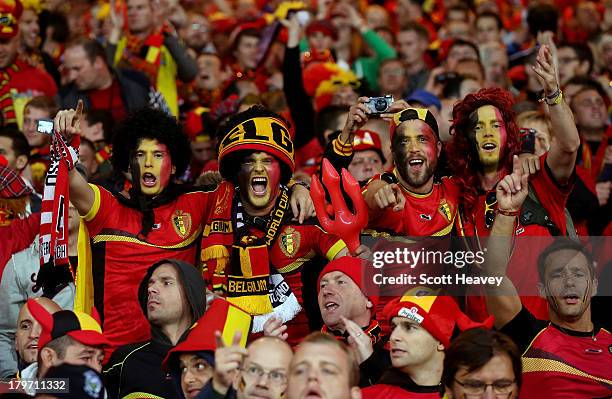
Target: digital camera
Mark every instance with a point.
(379, 105)
(44, 126)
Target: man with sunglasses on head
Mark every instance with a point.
(407, 201)
(569, 356)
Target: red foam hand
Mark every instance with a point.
(343, 223)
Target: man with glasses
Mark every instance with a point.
(574, 60)
(259, 371)
(482, 363)
(569, 356)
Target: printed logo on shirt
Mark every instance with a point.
(425, 217)
(290, 242)
(181, 221)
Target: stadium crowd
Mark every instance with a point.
(192, 193)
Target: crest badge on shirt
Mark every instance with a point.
(444, 209)
(290, 242)
(181, 221)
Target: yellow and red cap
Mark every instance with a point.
(438, 314)
(10, 12)
(77, 325)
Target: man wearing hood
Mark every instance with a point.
(172, 297)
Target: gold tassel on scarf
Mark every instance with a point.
(218, 257)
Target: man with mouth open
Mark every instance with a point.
(348, 314)
(153, 219)
(407, 201)
(569, 356)
(485, 140)
(252, 250)
(325, 368)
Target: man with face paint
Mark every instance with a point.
(567, 357)
(150, 220)
(407, 201)
(141, 225)
(252, 250)
(485, 138)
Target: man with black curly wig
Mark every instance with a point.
(253, 250)
(153, 219)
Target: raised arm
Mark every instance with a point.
(561, 157)
(81, 194)
(299, 103)
(503, 301)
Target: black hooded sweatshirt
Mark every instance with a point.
(135, 369)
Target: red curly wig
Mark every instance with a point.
(462, 156)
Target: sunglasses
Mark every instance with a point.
(490, 201)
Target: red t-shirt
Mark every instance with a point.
(560, 363)
(121, 258)
(109, 99)
(424, 215)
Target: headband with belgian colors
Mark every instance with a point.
(409, 114)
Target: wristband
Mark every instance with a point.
(293, 183)
(555, 98)
(508, 213)
(389, 178)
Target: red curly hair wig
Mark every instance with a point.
(463, 156)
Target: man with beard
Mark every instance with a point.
(252, 250)
(407, 201)
(484, 142)
(148, 221)
(172, 297)
(563, 358)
